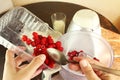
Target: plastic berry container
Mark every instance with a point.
(18, 22)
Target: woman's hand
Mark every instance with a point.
(91, 74)
(12, 70)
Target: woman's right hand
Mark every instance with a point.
(91, 74)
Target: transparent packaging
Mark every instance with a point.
(18, 22)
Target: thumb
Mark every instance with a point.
(34, 65)
(87, 70)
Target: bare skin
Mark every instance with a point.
(91, 74)
(12, 70)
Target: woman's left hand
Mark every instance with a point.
(12, 70)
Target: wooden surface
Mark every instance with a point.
(44, 10)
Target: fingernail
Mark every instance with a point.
(84, 63)
(42, 56)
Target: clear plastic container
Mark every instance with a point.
(85, 20)
(19, 21)
(92, 44)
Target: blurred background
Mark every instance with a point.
(108, 8)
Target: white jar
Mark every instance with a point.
(85, 20)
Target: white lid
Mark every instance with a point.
(86, 18)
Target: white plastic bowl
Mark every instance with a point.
(92, 44)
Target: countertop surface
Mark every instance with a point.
(109, 32)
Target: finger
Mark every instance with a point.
(9, 57)
(20, 52)
(77, 58)
(37, 73)
(26, 56)
(19, 60)
(99, 73)
(106, 76)
(90, 60)
(74, 67)
(21, 67)
(9, 61)
(22, 47)
(39, 70)
(17, 49)
(88, 71)
(34, 65)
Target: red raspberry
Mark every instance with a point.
(33, 44)
(43, 40)
(49, 37)
(35, 34)
(44, 51)
(72, 54)
(40, 44)
(81, 51)
(24, 38)
(60, 48)
(50, 40)
(51, 64)
(96, 59)
(58, 44)
(51, 45)
(43, 47)
(29, 41)
(46, 61)
(35, 52)
(37, 42)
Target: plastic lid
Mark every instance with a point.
(86, 18)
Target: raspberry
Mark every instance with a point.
(96, 59)
(51, 45)
(43, 47)
(60, 48)
(43, 40)
(72, 53)
(58, 44)
(33, 44)
(40, 45)
(24, 38)
(35, 34)
(50, 40)
(29, 41)
(80, 53)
